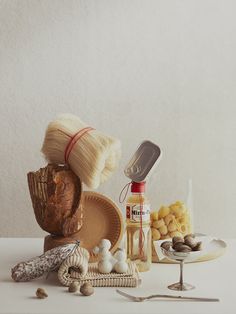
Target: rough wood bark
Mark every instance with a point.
(51, 241)
(55, 193)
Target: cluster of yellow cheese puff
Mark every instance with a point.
(170, 221)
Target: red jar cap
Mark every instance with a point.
(138, 187)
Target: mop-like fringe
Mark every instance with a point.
(93, 158)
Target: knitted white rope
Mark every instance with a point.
(78, 260)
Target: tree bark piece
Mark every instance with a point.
(51, 241)
(56, 193)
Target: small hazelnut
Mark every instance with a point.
(41, 293)
(87, 289)
(183, 248)
(198, 246)
(188, 240)
(73, 287)
(166, 245)
(192, 235)
(177, 239)
(177, 246)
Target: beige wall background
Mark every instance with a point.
(158, 70)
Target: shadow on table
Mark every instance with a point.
(51, 280)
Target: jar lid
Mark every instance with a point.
(138, 187)
(143, 161)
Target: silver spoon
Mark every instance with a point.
(165, 296)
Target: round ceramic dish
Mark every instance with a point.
(102, 219)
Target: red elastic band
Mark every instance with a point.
(141, 242)
(121, 200)
(74, 139)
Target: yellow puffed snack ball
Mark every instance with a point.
(189, 228)
(167, 236)
(155, 234)
(154, 215)
(179, 203)
(176, 234)
(158, 223)
(169, 218)
(176, 210)
(163, 230)
(186, 219)
(172, 227)
(173, 220)
(164, 211)
(183, 228)
(182, 219)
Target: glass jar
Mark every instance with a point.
(138, 232)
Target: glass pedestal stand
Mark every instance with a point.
(181, 285)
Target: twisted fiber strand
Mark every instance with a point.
(129, 279)
(78, 260)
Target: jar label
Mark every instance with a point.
(134, 212)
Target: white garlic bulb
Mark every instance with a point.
(105, 254)
(96, 250)
(105, 267)
(121, 267)
(120, 255)
(105, 243)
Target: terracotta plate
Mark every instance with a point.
(102, 219)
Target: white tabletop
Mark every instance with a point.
(214, 278)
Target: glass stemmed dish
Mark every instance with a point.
(212, 248)
(181, 257)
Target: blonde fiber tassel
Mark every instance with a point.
(94, 156)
